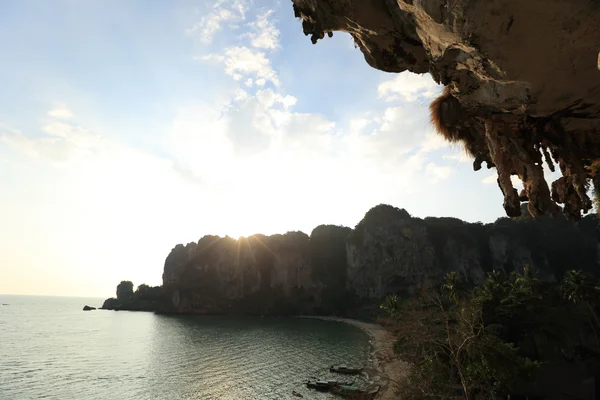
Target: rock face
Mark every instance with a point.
(337, 270)
(389, 251)
(145, 298)
(522, 82)
(251, 275)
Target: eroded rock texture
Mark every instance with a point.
(259, 274)
(522, 82)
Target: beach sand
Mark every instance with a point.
(384, 369)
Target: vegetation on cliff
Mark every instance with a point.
(145, 298)
(512, 334)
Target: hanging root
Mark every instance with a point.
(449, 120)
(445, 115)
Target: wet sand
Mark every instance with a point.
(383, 368)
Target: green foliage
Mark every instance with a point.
(143, 288)
(453, 288)
(579, 287)
(145, 298)
(391, 304)
(124, 290)
(493, 340)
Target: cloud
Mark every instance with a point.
(490, 179)
(259, 143)
(242, 63)
(460, 157)
(268, 97)
(408, 87)
(222, 12)
(61, 144)
(405, 128)
(264, 34)
(494, 178)
(60, 112)
(438, 173)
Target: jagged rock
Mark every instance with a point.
(222, 273)
(177, 259)
(521, 84)
(389, 251)
(88, 308)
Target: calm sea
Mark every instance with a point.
(51, 349)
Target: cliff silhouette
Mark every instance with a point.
(342, 271)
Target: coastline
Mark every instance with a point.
(383, 368)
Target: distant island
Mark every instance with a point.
(347, 272)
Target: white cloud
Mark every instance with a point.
(405, 128)
(409, 87)
(243, 62)
(222, 12)
(259, 139)
(438, 173)
(490, 179)
(62, 144)
(460, 157)
(61, 111)
(433, 141)
(268, 97)
(493, 178)
(264, 34)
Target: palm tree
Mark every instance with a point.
(493, 286)
(453, 287)
(580, 288)
(391, 304)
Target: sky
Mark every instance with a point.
(129, 127)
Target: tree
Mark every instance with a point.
(124, 290)
(142, 289)
(579, 288)
(453, 287)
(451, 347)
(391, 304)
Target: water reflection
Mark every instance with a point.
(51, 349)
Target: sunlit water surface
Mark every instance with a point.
(51, 349)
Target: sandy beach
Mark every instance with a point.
(383, 368)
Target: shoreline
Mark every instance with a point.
(383, 368)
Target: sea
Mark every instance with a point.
(51, 349)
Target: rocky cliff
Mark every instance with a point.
(336, 270)
(522, 82)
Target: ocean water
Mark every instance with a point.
(51, 349)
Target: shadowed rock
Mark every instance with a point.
(338, 270)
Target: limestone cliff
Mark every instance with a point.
(522, 82)
(336, 270)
